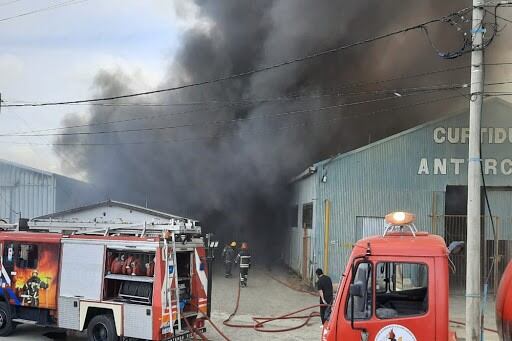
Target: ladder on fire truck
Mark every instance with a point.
(183, 228)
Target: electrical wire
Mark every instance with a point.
(260, 132)
(217, 122)
(44, 9)
(253, 71)
(396, 92)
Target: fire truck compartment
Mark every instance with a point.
(82, 270)
(129, 276)
(138, 321)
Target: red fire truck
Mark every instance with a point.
(118, 281)
(395, 287)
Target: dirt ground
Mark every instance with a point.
(267, 297)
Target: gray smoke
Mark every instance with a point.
(234, 176)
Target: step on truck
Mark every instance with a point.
(121, 281)
(396, 287)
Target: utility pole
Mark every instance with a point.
(473, 250)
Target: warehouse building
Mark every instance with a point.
(26, 192)
(422, 170)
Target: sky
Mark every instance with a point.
(56, 54)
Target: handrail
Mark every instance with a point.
(400, 228)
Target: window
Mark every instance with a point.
(27, 256)
(363, 302)
(401, 289)
(293, 216)
(307, 215)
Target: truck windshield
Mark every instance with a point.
(401, 289)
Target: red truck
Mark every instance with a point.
(395, 287)
(142, 282)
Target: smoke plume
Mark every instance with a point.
(234, 175)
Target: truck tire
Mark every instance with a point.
(102, 328)
(6, 324)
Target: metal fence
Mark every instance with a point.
(496, 252)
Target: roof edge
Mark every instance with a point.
(494, 100)
(113, 203)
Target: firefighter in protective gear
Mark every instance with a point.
(31, 290)
(244, 260)
(229, 256)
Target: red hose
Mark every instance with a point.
(259, 322)
(194, 331)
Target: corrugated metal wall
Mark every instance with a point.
(383, 177)
(25, 192)
(304, 193)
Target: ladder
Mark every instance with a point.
(105, 228)
(169, 287)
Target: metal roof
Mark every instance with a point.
(112, 203)
(307, 173)
(19, 165)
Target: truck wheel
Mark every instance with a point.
(102, 328)
(6, 324)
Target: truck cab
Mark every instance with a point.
(395, 287)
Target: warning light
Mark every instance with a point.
(400, 218)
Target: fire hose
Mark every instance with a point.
(260, 321)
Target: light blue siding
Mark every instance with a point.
(383, 177)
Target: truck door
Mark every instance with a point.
(32, 270)
(390, 300)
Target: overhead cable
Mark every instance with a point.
(253, 71)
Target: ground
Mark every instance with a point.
(267, 297)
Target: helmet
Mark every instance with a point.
(35, 273)
(233, 244)
(244, 246)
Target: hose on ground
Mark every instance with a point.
(259, 322)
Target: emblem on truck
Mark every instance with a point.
(395, 332)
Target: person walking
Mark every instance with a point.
(244, 260)
(324, 287)
(229, 256)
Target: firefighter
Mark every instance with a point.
(31, 289)
(324, 287)
(229, 256)
(244, 260)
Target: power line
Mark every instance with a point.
(396, 92)
(44, 9)
(254, 71)
(270, 132)
(219, 122)
(249, 100)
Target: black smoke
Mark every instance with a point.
(234, 176)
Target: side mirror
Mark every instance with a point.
(456, 248)
(356, 289)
